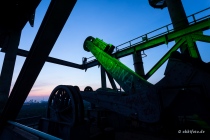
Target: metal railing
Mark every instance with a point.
(167, 29)
(29, 121)
(35, 132)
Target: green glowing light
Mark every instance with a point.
(121, 73)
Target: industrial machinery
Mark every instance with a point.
(177, 101)
(175, 107)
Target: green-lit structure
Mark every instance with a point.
(178, 103)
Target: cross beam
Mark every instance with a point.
(52, 24)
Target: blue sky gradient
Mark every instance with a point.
(115, 22)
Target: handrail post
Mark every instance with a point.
(194, 19)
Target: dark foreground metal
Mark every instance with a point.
(47, 35)
(35, 132)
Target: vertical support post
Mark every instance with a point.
(111, 81)
(103, 78)
(179, 20)
(177, 13)
(8, 66)
(138, 63)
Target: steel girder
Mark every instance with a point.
(199, 37)
(192, 31)
(24, 53)
(52, 24)
(164, 58)
(141, 46)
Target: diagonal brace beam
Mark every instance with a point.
(52, 24)
(111, 80)
(199, 26)
(203, 38)
(192, 48)
(164, 58)
(196, 27)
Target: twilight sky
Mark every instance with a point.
(114, 21)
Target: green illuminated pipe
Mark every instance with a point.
(125, 77)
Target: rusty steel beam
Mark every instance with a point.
(52, 24)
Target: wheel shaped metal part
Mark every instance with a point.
(88, 88)
(65, 105)
(89, 38)
(80, 104)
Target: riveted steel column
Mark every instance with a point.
(179, 20)
(8, 66)
(138, 63)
